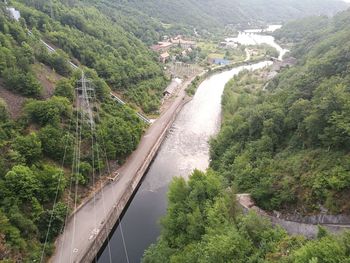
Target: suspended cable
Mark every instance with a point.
(56, 193)
(109, 172)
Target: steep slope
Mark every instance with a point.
(289, 147)
(98, 42)
(37, 147)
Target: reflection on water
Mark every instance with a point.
(185, 148)
(251, 37)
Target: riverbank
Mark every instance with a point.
(191, 90)
(88, 228)
(186, 148)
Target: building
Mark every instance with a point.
(219, 61)
(164, 57)
(185, 44)
(162, 47)
(228, 45)
(279, 65)
(175, 83)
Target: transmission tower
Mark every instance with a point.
(84, 96)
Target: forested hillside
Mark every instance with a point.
(288, 145)
(99, 42)
(204, 224)
(209, 14)
(37, 143)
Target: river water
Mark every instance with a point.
(184, 149)
(251, 37)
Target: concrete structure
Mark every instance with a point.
(15, 14)
(278, 66)
(297, 225)
(175, 83)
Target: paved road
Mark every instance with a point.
(87, 221)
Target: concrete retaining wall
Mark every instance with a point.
(318, 219)
(115, 214)
(296, 224)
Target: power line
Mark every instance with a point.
(110, 172)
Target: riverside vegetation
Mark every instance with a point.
(287, 145)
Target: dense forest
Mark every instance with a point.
(37, 145)
(289, 147)
(204, 224)
(213, 14)
(100, 43)
(287, 143)
(109, 40)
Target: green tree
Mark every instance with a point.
(22, 182)
(65, 89)
(51, 221)
(4, 116)
(29, 147)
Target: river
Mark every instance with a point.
(251, 37)
(185, 148)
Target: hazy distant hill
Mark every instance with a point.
(210, 13)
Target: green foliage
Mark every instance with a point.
(21, 82)
(59, 61)
(29, 147)
(325, 250)
(55, 218)
(56, 144)
(22, 182)
(118, 137)
(52, 182)
(202, 224)
(4, 116)
(98, 42)
(211, 14)
(288, 146)
(224, 234)
(48, 112)
(17, 56)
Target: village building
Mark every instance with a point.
(185, 44)
(219, 61)
(176, 82)
(164, 57)
(162, 47)
(228, 45)
(278, 66)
